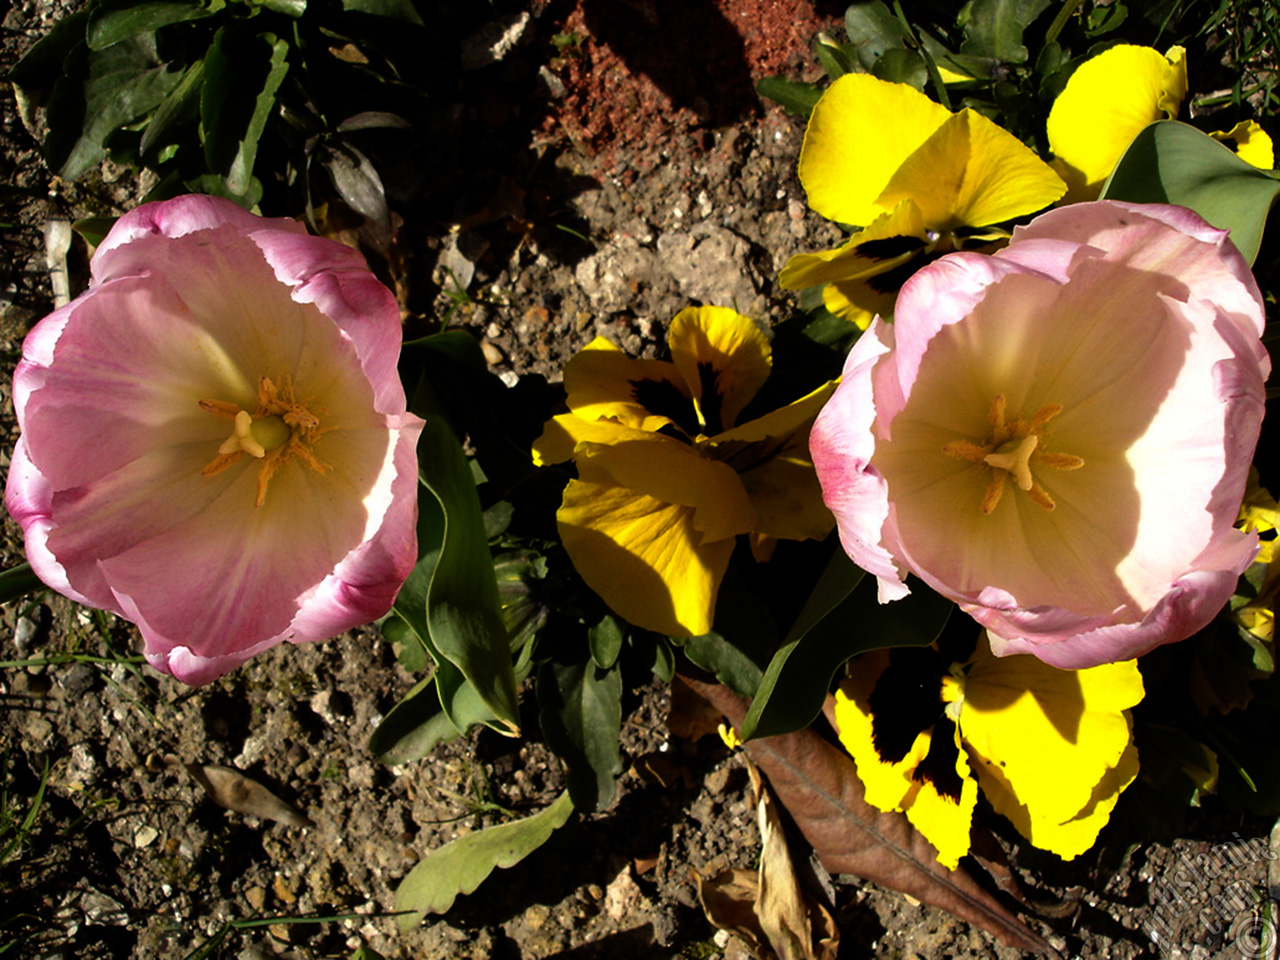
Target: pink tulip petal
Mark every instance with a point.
(1139, 326)
(109, 479)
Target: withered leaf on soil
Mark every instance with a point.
(819, 787)
(233, 790)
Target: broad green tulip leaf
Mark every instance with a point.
(461, 865)
(580, 713)
(994, 28)
(873, 31)
(795, 97)
(17, 582)
(395, 9)
(605, 640)
(120, 84)
(463, 614)
(179, 108)
(1171, 162)
(242, 75)
(825, 636)
(413, 727)
(111, 24)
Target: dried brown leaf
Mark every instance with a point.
(819, 787)
(781, 907)
(233, 790)
(729, 899)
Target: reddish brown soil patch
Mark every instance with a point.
(640, 74)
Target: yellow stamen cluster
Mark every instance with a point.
(1010, 451)
(279, 429)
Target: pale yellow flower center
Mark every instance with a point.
(1010, 450)
(279, 429)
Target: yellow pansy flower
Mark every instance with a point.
(1110, 99)
(919, 179)
(668, 478)
(1050, 749)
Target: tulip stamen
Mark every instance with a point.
(279, 429)
(1010, 451)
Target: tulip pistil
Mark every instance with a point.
(278, 430)
(1010, 450)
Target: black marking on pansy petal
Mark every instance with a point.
(939, 765)
(906, 699)
(891, 280)
(664, 399)
(889, 248)
(710, 401)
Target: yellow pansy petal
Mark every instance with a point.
(673, 472)
(563, 433)
(1070, 838)
(1106, 103)
(644, 557)
(602, 381)
(889, 241)
(859, 134)
(771, 455)
(945, 822)
(724, 359)
(1251, 143)
(970, 172)
(886, 785)
(780, 423)
(858, 302)
(1053, 733)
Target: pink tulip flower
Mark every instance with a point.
(1058, 437)
(214, 441)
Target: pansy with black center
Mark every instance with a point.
(1050, 749)
(667, 476)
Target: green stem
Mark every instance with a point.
(1060, 21)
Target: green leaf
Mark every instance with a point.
(464, 617)
(356, 181)
(873, 31)
(120, 84)
(290, 8)
(605, 640)
(994, 28)
(41, 66)
(902, 66)
(726, 662)
(413, 727)
(580, 712)
(834, 58)
(119, 21)
(831, 629)
(94, 229)
(179, 108)
(463, 864)
(17, 582)
(795, 97)
(1171, 162)
(395, 9)
(242, 75)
